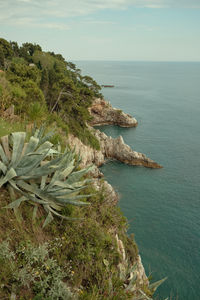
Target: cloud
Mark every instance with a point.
(52, 13)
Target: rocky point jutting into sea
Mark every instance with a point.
(103, 113)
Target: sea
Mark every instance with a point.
(162, 205)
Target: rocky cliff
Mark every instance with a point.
(110, 149)
(104, 114)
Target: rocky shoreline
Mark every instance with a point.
(110, 148)
(104, 114)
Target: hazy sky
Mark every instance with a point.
(166, 30)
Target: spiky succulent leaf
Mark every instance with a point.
(153, 286)
(18, 139)
(52, 183)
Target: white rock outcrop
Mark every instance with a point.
(110, 149)
(104, 114)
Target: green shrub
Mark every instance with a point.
(31, 270)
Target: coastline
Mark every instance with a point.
(104, 114)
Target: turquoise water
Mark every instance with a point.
(162, 206)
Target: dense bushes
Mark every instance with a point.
(44, 79)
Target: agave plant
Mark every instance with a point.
(27, 170)
(128, 273)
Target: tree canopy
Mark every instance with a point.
(46, 78)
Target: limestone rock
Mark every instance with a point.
(88, 154)
(117, 149)
(110, 149)
(104, 114)
(109, 193)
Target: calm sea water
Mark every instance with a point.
(162, 206)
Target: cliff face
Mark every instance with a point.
(110, 149)
(117, 149)
(104, 114)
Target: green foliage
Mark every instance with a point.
(45, 78)
(6, 47)
(2, 58)
(37, 112)
(27, 173)
(5, 93)
(31, 268)
(6, 127)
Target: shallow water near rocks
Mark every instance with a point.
(162, 206)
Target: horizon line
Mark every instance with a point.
(116, 60)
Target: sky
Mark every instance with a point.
(126, 30)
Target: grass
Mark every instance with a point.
(82, 245)
(7, 126)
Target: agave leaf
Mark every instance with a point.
(32, 145)
(23, 150)
(61, 216)
(33, 199)
(43, 195)
(81, 183)
(67, 171)
(155, 285)
(9, 175)
(40, 131)
(18, 145)
(40, 171)
(73, 186)
(59, 166)
(48, 219)
(73, 202)
(34, 213)
(46, 137)
(16, 203)
(69, 197)
(43, 182)
(32, 163)
(5, 144)
(13, 198)
(28, 196)
(144, 296)
(3, 156)
(74, 177)
(53, 151)
(42, 148)
(63, 192)
(3, 167)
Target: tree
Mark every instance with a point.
(6, 47)
(15, 48)
(44, 83)
(2, 58)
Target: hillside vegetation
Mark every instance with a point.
(44, 86)
(60, 236)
